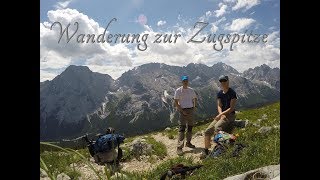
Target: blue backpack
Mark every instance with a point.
(108, 142)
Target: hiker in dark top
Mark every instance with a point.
(226, 101)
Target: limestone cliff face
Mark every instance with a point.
(80, 101)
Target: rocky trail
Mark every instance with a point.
(143, 164)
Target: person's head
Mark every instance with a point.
(110, 130)
(224, 81)
(185, 81)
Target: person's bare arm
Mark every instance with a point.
(194, 102)
(176, 101)
(219, 106)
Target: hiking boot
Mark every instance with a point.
(179, 151)
(190, 145)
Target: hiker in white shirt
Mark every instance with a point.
(185, 101)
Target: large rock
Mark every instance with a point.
(241, 123)
(140, 147)
(43, 175)
(63, 176)
(268, 172)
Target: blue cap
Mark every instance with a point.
(184, 78)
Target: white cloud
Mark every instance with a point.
(246, 4)
(62, 4)
(221, 11)
(44, 75)
(229, 1)
(161, 23)
(239, 24)
(116, 59)
(220, 20)
(182, 53)
(54, 55)
(247, 55)
(206, 16)
(214, 28)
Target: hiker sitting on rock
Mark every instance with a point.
(185, 101)
(226, 101)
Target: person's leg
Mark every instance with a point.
(208, 133)
(230, 125)
(190, 124)
(222, 124)
(182, 128)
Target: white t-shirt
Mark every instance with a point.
(185, 96)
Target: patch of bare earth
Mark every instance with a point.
(171, 145)
(144, 163)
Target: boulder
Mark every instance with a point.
(140, 147)
(241, 123)
(63, 176)
(43, 175)
(268, 172)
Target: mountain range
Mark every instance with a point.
(80, 101)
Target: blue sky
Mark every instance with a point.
(261, 16)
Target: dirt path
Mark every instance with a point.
(144, 165)
(171, 145)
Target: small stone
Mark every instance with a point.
(167, 129)
(199, 133)
(118, 175)
(264, 116)
(63, 176)
(256, 125)
(265, 129)
(276, 126)
(43, 173)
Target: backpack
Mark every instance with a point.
(108, 142)
(222, 139)
(225, 138)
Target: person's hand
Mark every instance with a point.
(218, 117)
